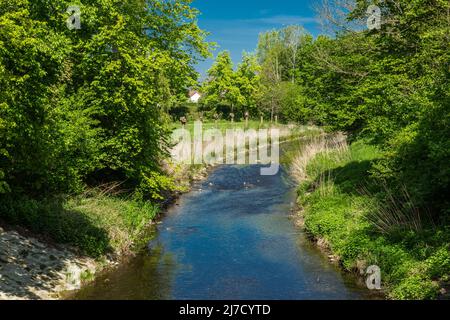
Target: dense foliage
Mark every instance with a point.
(228, 91)
(89, 105)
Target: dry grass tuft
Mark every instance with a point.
(318, 145)
(395, 212)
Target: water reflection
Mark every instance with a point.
(147, 277)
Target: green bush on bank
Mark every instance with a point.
(97, 224)
(340, 199)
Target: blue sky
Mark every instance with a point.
(235, 24)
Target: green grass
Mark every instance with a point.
(96, 224)
(340, 200)
(223, 125)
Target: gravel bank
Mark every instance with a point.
(31, 269)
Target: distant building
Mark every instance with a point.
(194, 96)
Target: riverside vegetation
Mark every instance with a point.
(86, 117)
(362, 222)
(384, 199)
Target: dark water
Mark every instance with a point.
(231, 238)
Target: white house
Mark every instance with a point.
(194, 96)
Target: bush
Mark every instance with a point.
(415, 287)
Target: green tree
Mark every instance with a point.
(283, 55)
(220, 89)
(293, 38)
(270, 51)
(91, 104)
(248, 81)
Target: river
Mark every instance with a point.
(230, 238)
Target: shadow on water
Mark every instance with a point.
(230, 238)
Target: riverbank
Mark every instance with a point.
(51, 246)
(360, 223)
(35, 269)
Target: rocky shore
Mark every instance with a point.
(32, 269)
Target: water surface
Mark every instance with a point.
(230, 238)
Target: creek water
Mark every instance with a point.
(230, 238)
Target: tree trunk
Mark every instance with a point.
(272, 111)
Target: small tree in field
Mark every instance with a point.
(221, 88)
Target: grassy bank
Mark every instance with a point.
(95, 224)
(363, 223)
(224, 125)
(54, 245)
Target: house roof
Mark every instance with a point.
(193, 93)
